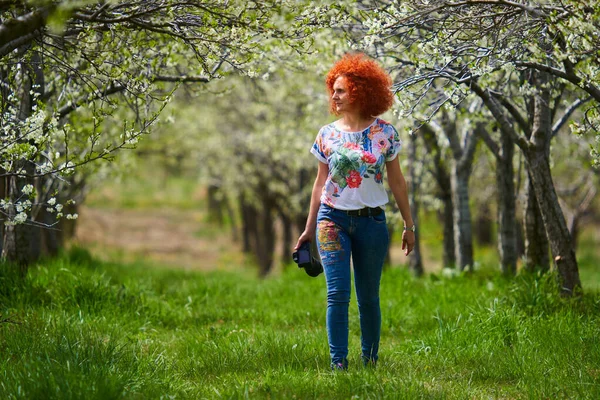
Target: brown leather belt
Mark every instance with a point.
(364, 212)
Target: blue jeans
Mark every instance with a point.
(366, 239)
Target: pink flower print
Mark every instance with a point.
(381, 142)
(351, 146)
(354, 179)
(368, 157)
(378, 177)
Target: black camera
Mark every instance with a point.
(304, 259)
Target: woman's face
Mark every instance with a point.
(340, 96)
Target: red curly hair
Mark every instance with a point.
(368, 84)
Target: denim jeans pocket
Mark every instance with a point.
(380, 219)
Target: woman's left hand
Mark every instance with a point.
(408, 241)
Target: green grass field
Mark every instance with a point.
(79, 328)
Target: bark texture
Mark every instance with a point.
(463, 150)
(541, 177)
(415, 260)
(463, 237)
(507, 214)
(22, 243)
(537, 255)
(506, 192)
(556, 226)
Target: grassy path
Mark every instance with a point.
(78, 328)
(173, 237)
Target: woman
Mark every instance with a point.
(346, 209)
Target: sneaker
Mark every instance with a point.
(340, 366)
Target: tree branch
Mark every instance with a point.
(576, 104)
(20, 41)
(182, 78)
(14, 31)
(118, 87)
(487, 139)
(505, 126)
(469, 151)
(590, 88)
(510, 107)
(72, 106)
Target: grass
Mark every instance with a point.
(141, 190)
(80, 328)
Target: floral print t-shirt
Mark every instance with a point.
(356, 164)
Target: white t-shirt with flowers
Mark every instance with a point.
(356, 164)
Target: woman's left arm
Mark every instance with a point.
(400, 191)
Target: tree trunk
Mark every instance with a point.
(415, 261)
(554, 221)
(447, 218)
(536, 240)
(21, 243)
(9, 245)
(463, 151)
(3, 195)
(541, 177)
(507, 220)
(520, 239)
(462, 217)
(574, 229)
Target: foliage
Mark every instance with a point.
(447, 49)
(78, 328)
(81, 80)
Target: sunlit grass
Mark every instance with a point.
(78, 328)
(148, 188)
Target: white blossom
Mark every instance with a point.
(20, 218)
(27, 190)
(5, 205)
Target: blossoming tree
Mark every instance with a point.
(67, 67)
(546, 51)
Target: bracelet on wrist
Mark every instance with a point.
(412, 228)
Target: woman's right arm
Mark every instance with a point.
(315, 201)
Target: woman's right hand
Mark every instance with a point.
(306, 236)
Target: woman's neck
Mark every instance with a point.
(354, 122)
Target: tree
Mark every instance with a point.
(82, 61)
(462, 149)
(478, 48)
